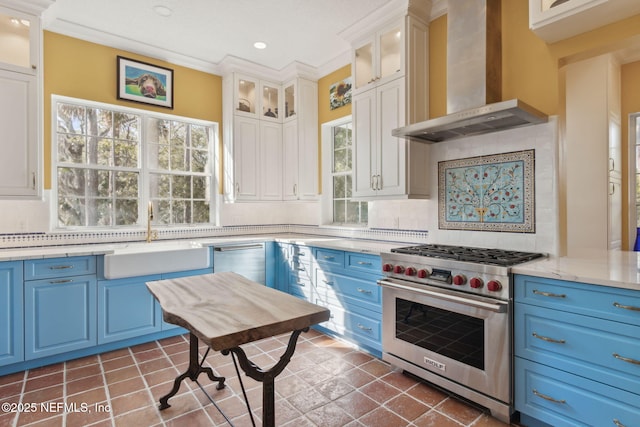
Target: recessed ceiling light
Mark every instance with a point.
(260, 45)
(162, 10)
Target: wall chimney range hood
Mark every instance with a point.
(474, 79)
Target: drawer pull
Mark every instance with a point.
(549, 398)
(364, 291)
(364, 328)
(328, 282)
(301, 284)
(56, 282)
(547, 339)
(548, 294)
(329, 258)
(626, 359)
(364, 263)
(626, 307)
(60, 267)
(301, 269)
(618, 423)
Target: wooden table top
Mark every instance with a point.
(226, 310)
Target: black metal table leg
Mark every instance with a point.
(267, 378)
(193, 371)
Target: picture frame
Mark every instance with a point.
(488, 193)
(145, 83)
(340, 93)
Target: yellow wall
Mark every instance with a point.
(80, 69)
(438, 67)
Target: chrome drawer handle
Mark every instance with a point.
(60, 267)
(543, 338)
(300, 269)
(301, 284)
(548, 294)
(549, 398)
(626, 359)
(328, 282)
(364, 328)
(364, 291)
(364, 263)
(327, 257)
(618, 423)
(626, 307)
(55, 282)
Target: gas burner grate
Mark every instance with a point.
(501, 257)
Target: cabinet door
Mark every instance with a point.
(391, 179)
(271, 161)
(290, 159)
(126, 309)
(246, 140)
(59, 315)
(11, 306)
(307, 140)
(364, 119)
(19, 142)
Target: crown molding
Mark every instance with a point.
(35, 7)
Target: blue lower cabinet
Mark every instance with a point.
(126, 309)
(11, 313)
(59, 315)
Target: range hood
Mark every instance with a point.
(474, 79)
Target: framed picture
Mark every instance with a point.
(488, 193)
(340, 94)
(145, 83)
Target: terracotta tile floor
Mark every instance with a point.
(327, 383)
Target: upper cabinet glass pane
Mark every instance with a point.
(364, 65)
(246, 96)
(15, 40)
(390, 52)
(270, 101)
(289, 101)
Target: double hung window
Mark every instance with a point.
(110, 161)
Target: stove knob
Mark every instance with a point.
(387, 267)
(476, 283)
(494, 286)
(459, 279)
(423, 274)
(398, 269)
(410, 271)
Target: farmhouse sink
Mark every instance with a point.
(140, 259)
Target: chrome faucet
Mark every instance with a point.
(151, 234)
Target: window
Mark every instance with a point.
(110, 161)
(345, 211)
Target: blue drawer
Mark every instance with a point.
(50, 268)
(621, 305)
(364, 262)
(561, 399)
(601, 350)
(329, 257)
(363, 292)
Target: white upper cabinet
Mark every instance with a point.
(391, 72)
(379, 58)
(20, 167)
(270, 139)
(555, 20)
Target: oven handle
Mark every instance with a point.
(466, 300)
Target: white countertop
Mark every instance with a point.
(620, 269)
(354, 245)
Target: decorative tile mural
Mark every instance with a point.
(488, 193)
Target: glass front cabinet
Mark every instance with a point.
(257, 99)
(380, 57)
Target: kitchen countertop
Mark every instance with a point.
(354, 245)
(619, 269)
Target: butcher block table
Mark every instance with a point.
(225, 310)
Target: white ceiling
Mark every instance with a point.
(205, 31)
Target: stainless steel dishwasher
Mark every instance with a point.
(247, 259)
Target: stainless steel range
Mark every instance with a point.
(447, 315)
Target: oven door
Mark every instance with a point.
(463, 338)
